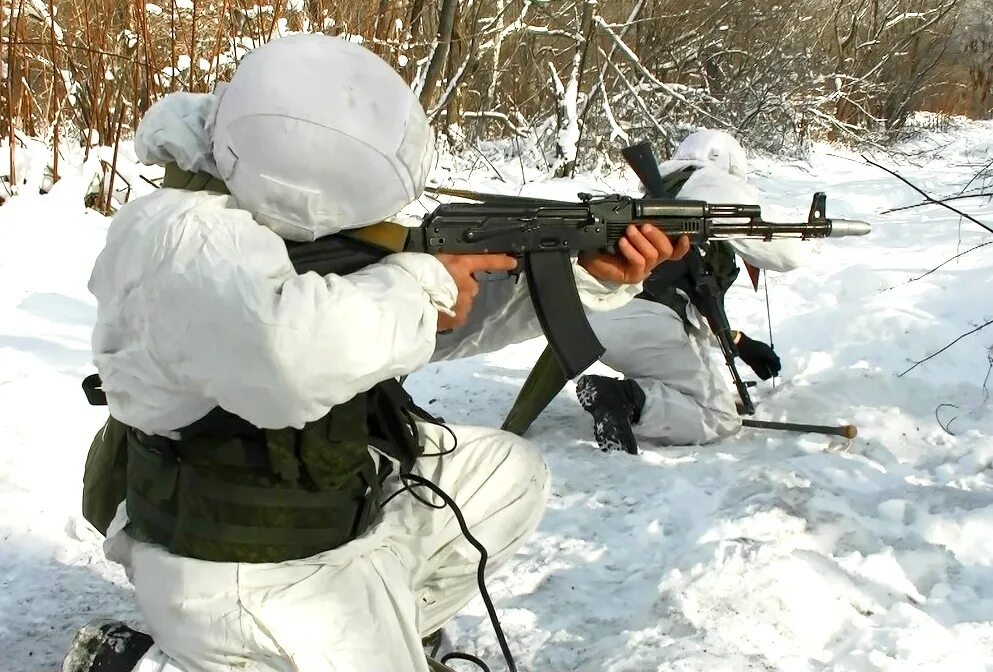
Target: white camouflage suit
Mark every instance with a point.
(688, 399)
(199, 306)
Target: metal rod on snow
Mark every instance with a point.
(847, 431)
(768, 317)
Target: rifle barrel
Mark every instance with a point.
(835, 228)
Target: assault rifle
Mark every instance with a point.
(546, 234)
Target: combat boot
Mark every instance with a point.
(615, 405)
(104, 645)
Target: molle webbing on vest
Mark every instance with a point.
(227, 491)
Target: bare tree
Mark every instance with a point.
(439, 51)
(581, 76)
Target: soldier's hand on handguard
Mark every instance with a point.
(640, 250)
(462, 268)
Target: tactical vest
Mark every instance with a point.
(661, 285)
(228, 491)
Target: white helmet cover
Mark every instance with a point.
(716, 148)
(315, 134)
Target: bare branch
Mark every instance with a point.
(932, 356)
(926, 195)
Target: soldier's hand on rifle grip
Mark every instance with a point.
(462, 268)
(639, 251)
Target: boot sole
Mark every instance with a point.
(83, 649)
(610, 434)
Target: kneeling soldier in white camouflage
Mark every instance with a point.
(258, 430)
(675, 390)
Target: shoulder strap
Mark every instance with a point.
(177, 178)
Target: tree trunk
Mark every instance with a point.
(446, 20)
(382, 28)
(414, 21)
(567, 110)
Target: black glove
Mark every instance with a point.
(762, 359)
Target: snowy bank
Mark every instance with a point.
(770, 551)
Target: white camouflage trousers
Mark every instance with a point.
(362, 607)
(688, 400)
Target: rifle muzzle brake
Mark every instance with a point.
(848, 227)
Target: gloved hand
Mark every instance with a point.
(762, 359)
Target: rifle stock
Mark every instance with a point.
(642, 160)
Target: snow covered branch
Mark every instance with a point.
(775, 74)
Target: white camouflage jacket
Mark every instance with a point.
(199, 306)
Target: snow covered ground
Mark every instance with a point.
(769, 551)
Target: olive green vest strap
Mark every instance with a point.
(150, 516)
(249, 535)
(229, 453)
(177, 178)
(229, 533)
(222, 491)
(544, 382)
